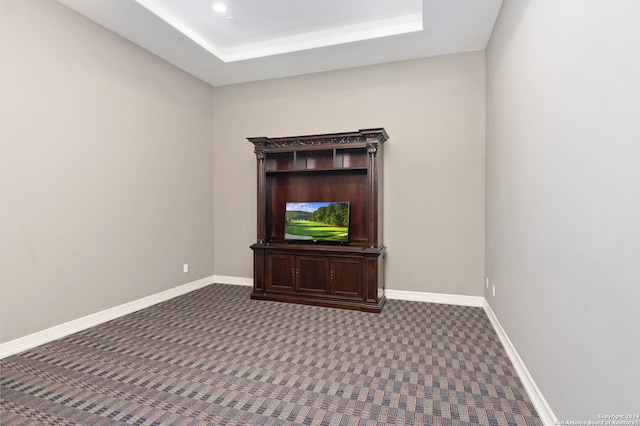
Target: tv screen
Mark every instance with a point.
(317, 222)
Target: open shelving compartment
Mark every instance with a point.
(317, 159)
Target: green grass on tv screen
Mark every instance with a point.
(310, 230)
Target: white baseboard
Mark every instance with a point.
(224, 279)
(41, 337)
(447, 299)
(544, 411)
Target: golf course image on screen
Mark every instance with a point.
(317, 221)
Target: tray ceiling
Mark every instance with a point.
(258, 39)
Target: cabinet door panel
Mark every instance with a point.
(347, 276)
(313, 274)
(280, 271)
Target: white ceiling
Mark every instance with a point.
(263, 39)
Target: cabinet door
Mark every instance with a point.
(280, 271)
(313, 274)
(346, 276)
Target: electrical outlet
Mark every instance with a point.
(486, 282)
(493, 290)
(185, 268)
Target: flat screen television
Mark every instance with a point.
(317, 222)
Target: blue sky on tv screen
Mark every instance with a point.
(306, 207)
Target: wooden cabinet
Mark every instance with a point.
(338, 276)
(291, 273)
(339, 167)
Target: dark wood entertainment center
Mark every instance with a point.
(330, 167)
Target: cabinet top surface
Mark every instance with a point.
(320, 248)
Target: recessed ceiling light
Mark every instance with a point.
(219, 7)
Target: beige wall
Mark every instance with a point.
(106, 170)
(563, 198)
(111, 165)
(433, 110)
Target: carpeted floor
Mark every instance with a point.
(214, 356)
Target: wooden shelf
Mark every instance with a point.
(332, 170)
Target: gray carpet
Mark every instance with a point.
(214, 356)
